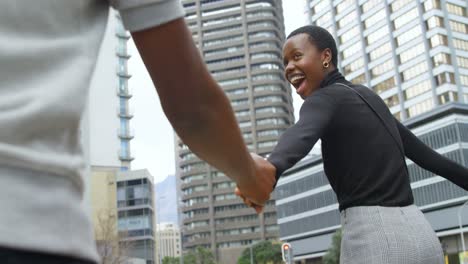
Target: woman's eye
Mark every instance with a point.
(297, 56)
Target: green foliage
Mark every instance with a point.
(264, 252)
(200, 255)
(170, 260)
(333, 254)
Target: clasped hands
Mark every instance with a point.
(256, 192)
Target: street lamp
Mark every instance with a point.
(461, 230)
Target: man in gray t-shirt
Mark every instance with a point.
(48, 51)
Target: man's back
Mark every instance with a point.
(48, 51)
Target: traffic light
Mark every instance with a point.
(287, 253)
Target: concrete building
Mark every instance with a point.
(136, 213)
(241, 43)
(414, 54)
(169, 240)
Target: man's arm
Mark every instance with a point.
(195, 105)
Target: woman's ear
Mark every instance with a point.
(327, 55)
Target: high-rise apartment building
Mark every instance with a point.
(241, 43)
(106, 129)
(414, 54)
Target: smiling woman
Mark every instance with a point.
(309, 55)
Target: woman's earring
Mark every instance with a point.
(326, 64)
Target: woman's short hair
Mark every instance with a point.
(319, 37)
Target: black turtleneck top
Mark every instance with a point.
(363, 162)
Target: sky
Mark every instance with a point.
(153, 145)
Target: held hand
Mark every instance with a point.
(257, 192)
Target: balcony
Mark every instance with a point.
(126, 133)
(125, 112)
(123, 53)
(120, 32)
(125, 92)
(124, 155)
(123, 72)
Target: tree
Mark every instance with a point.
(333, 254)
(110, 244)
(200, 255)
(264, 252)
(170, 260)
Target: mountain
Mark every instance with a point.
(166, 199)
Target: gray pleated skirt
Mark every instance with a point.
(388, 235)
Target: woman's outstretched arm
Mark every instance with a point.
(430, 160)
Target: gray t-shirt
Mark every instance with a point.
(48, 50)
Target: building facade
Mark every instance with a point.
(136, 214)
(414, 54)
(169, 240)
(106, 128)
(241, 43)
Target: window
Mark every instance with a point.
(220, 11)
(239, 102)
(220, 31)
(348, 19)
(417, 89)
(458, 27)
(267, 144)
(263, 34)
(349, 34)
(191, 178)
(270, 109)
(411, 53)
(447, 97)
(268, 77)
(445, 77)
(398, 4)
(272, 88)
(264, 55)
(460, 44)
(440, 59)
(261, 24)
(381, 68)
(222, 20)
(431, 4)
(380, 51)
(242, 113)
(414, 71)
(462, 62)
(405, 18)
(360, 79)
(266, 66)
(236, 91)
(409, 35)
(375, 18)
(377, 35)
(434, 21)
(392, 100)
(368, 5)
(222, 197)
(261, 4)
(320, 6)
(464, 80)
(271, 121)
(343, 5)
(247, 135)
(438, 40)
(232, 81)
(420, 108)
(269, 133)
(353, 66)
(270, 99)
(350, 51)
(223, 41)
(224, 50)
(385, 85)
(260, 14)
(245, 124)
(324, 19)
(456, 9)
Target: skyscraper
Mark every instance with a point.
(241, 43)
(414, 54)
